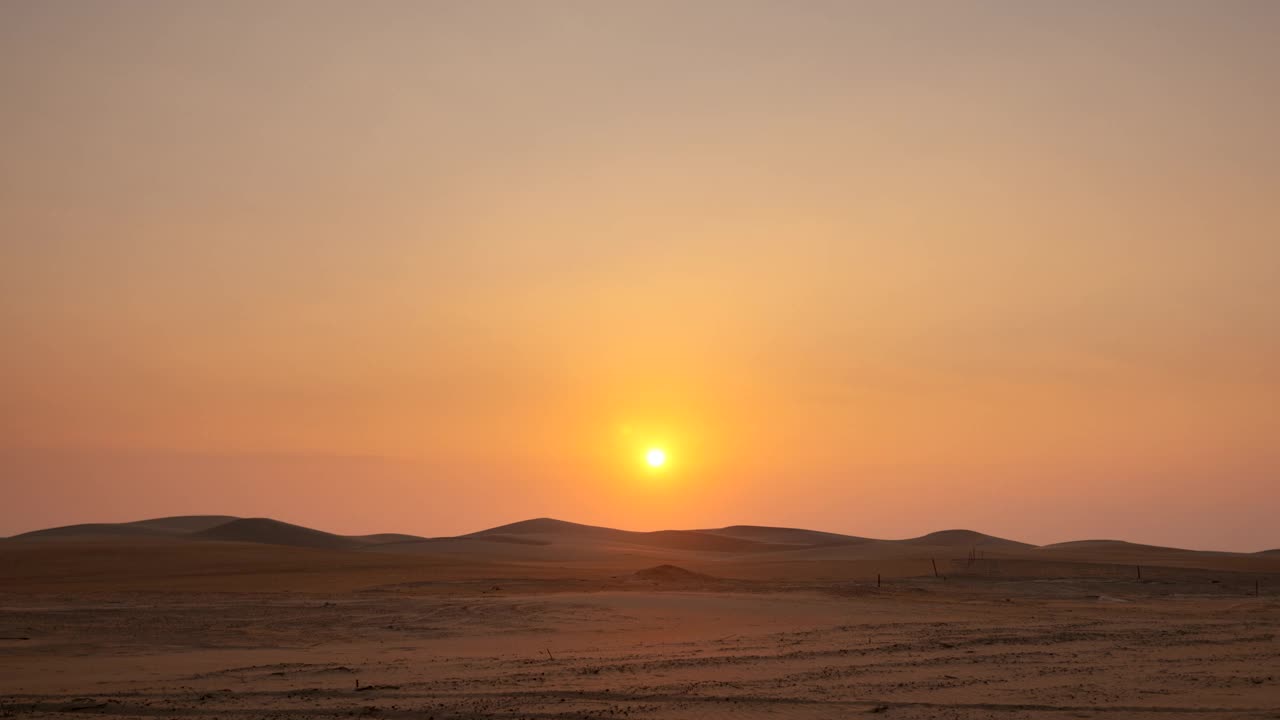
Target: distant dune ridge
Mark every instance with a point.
(186, 523)
(542, 532)
(1110, 546)
(965, 538)
(264, 531)
(274, 532)
(786, 536)
(221, 551)
(547, 528)
(178, 525)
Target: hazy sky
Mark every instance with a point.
(871, 267)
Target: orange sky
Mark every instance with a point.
(876, 268)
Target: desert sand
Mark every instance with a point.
(221, 617)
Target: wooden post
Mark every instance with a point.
(877, 579)
(1139, 571)
(935, 566)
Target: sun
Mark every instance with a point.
(656, 457)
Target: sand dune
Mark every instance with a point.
(218, 528)
(570, 539)
(273, 532)
(500, 547)
(156, 527)
(965, 539)
(93, 530)
(551, 530)
(1121, 553)
(186, 523)
(549, 526)
(544, 547)
(672, 577)
(385, 538)
(1110, 546)
(514, 539)
(785, 536)
(756, 551)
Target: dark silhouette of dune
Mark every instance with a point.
(693, 540)
(673, 576)
(786, 536)
(91, 530)
(385, 538)
(559, 530)
(265, 553)
(964, 538)
(549, 526)
(547, 540)
(273, 532)
(156, 527)
(1104, 545)
(219, 527)
(1122, 550)
(513, 539)
(185, 523)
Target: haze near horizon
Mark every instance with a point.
(876, 268)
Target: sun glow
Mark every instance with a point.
(656, 457)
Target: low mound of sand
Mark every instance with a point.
(548, 526)
(385, 538)
(266, 531)
(786, 536)
(694, 540)
(157, 527)
(965, 538)
(1108, 545)
(559, 531)
(513, 539)
(673, 576)
(93, 530)
(181, 524)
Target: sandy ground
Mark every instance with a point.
(924, 648)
